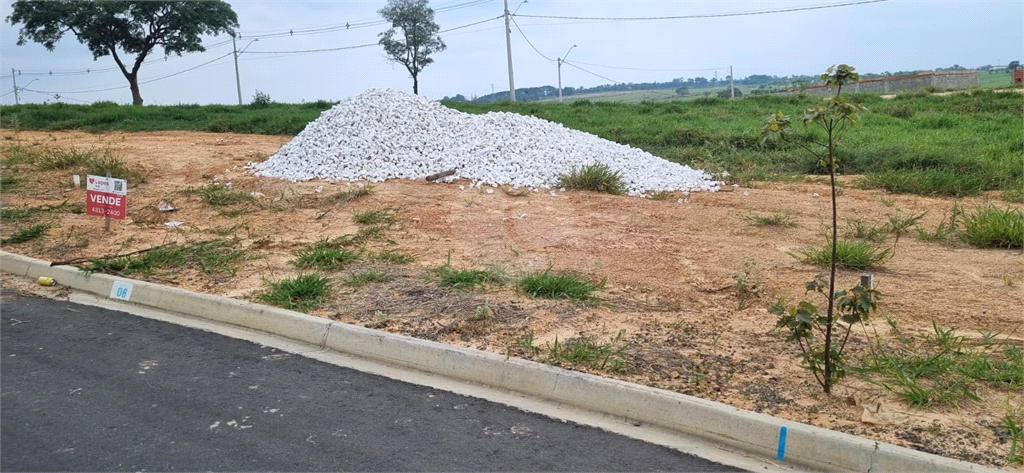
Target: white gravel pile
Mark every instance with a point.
(386, 134)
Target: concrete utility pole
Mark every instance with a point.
(238, 79)
(732, 90)
(560, 61)
(15, 81)
(508, 46)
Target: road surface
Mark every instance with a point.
(85, 388)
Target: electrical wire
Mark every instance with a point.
(101, 70)
(591, 73)
(711, 15)
(528, 41)
(654, 70)
(140, 83)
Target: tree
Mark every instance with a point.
(133, 27)
(419, 32)
(1013, 65)
(682, 91)
(855, 305)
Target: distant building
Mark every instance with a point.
(955, 79)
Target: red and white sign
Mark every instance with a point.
(106, 196)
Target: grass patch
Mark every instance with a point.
(597, 177)
(363, 278)
(774, 220)
(1012, 423)
(19, 213)
(7, 182)
(353, 194)
(27, 234)
(300, 293)
(211, 258)
(993, 227)
(375, 217)
(393, 256)
(582, 351)
(861, 230)
(467, 279)
(942, 368)
(218, 195)
(325, 255)
(547, 285)
(855, 254)
(117, 167)
(64, 159)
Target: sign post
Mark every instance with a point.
(106, 197)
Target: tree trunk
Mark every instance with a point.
(133, 80)
(415, 86)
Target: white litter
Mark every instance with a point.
(387, 134)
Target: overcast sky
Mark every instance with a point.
(876, 37)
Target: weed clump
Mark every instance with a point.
(546, 285)
(596, 177)
(300, 293)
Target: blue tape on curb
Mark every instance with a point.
(782, 443)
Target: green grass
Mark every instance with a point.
(219, 195)
(375, 217)
(993, 227)
(548, 285)
(597, 177)
(7, 182)
(89, 161)
(850, 254)
(211, 258)
(1012, 423)
(942, 368)
(583, 351)
(325, 255)
(467, 279)
(300, 293)
(774, 220)
(393, 256)
(363, 278)
(27, 234)
(274, 119)
(902, 145)
(353, 194)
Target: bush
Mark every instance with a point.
(993, 227)
(596, 177)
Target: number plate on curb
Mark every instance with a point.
(121, 290)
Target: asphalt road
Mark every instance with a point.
(89, 389)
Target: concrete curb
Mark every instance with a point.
(807, 447)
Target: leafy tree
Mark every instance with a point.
(834, 117)
(419, 36)
(1013, 65)
(682, 91)
(133, 27)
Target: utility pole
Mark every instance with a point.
(15, 81)
(238, 79)
(732, 90)
(508, 46)
(560, 61)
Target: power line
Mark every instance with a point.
(711, 15)
(307, 51)
(654, 70)
(592, 73)
(528, 41)
(140, 83)
(89, 71)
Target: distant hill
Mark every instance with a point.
(681, 87)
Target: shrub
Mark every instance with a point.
(596, 177)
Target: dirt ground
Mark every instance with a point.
(670, 266)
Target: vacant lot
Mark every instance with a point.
(687, 280)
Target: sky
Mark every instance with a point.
(283, 45)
